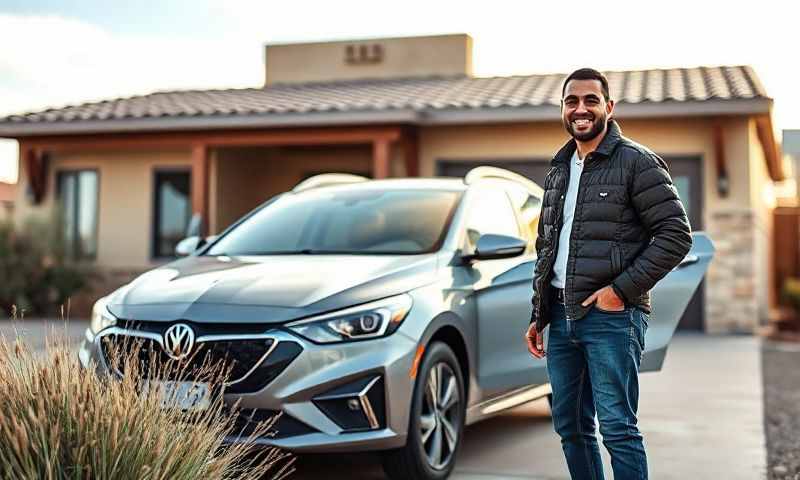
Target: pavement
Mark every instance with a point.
(35, 333)
(701, 417)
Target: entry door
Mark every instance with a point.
(687, 176)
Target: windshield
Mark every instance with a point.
(345, 221)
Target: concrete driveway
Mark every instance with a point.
(35, 332)
(701, 416)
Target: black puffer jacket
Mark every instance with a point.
(629, 229)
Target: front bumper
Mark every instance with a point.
(324, 371)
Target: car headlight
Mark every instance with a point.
(369, 320)
(101, 317)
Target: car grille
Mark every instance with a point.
(244, 361)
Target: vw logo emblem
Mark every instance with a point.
(178, 341)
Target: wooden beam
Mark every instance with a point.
(200, 184)
(772, 153)
(411, 151)
(218, 138)
(36, 171)
(720, 162)
(380, 158)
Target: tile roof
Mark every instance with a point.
(420, 94)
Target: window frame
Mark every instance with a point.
(475, 195)
(60, 174)
(525, 232)
(156, 217)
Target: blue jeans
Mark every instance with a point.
(593, 364)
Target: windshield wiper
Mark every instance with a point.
(312, 251)
(305, 251)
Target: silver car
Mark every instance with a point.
(375, 314)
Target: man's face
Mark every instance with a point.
(584, 109)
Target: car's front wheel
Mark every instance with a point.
(436, 420)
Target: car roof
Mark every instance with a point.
(335, 182)
(426, 183)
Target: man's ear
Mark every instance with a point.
(609, 108)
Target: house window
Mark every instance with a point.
(78, 199)
(173, 210)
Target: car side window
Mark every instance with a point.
(528, 208)
(491, 212)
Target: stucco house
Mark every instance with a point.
(8, 193)
(130, 172)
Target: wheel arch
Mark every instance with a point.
(447, 328)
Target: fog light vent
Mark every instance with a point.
(355, 406)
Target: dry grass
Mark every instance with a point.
(60, 421)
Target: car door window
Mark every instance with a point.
(491, 212)
(527, 206)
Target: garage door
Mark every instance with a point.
(536, 170)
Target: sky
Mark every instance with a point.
(59, 52)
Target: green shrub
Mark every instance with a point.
(59, 421)
(790, 292)
(36, 276)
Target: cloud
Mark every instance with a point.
(55, 61)
(60, 61)
(51, 61)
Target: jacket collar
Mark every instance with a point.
(610, 140)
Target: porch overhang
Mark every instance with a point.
(224, 130)
(34, 151)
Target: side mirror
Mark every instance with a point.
(187, 246)
(491, 246)
(190, 244)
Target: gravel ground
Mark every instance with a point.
(781, 364)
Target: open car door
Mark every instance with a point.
(670, 297)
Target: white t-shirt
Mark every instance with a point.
(571, 197)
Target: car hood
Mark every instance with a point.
(267, 289)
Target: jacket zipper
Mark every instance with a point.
(572, 230)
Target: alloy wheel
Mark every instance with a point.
(439, 417)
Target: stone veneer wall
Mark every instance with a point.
(731, 298)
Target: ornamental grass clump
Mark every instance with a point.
(60, 421)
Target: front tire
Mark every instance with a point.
(436, 422)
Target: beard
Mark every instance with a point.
(598, 125)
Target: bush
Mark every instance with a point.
(37, 277)
(790, 292)
(59, 421)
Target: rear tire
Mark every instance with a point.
(436, 420)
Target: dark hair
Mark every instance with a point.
(587, 74)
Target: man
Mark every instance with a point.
(611, 226)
